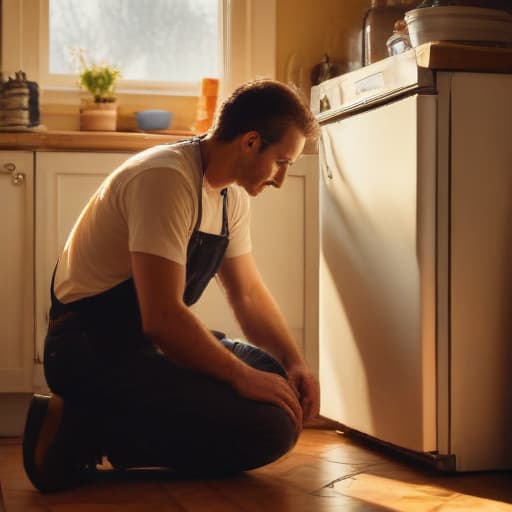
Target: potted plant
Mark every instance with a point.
(99, 111)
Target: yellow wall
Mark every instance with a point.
(306, 29)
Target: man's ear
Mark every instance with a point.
(251, 140)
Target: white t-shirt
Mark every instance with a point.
(149, 204)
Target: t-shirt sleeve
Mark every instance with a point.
(159, 208)
(239, 223)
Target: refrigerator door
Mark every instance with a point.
(377, 356)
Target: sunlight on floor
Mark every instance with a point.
(400, 496)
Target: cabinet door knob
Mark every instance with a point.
(18, 178)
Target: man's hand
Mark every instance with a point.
(308, 390)
(265, 326)
(269, 387)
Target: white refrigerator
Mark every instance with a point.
(415, 285)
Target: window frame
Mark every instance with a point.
(247, 47)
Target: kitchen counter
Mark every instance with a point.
(41, 140)
(463, 57)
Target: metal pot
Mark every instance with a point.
(487, 4)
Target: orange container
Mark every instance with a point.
(206, 104)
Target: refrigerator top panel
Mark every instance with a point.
(371, 85)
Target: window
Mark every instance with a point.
(148, 40)
(245, 46)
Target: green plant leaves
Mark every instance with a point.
(100, 82)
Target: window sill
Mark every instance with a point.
(186, 89)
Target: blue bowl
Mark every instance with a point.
(153, 120)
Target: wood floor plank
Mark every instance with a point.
(325, 472)
(193, 496)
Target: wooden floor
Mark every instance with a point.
(325, 472)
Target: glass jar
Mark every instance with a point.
(378, 24)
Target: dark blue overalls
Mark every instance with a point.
(140, 409)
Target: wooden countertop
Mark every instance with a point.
(82, 140)
(50, 140)
(443, 55)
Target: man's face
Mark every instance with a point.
(268, 167)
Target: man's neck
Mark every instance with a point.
(218, 162)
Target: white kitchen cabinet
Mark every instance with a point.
(16, 271)
(64, 183)
(284, 228)
(39, 211)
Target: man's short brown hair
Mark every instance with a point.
(266, 106)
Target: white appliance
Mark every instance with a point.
(415, 341)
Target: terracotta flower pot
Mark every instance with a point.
(99, 117)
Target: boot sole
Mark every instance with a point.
(44, 419)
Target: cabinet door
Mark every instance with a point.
(64, 183)
(16, 271)
(284, 239)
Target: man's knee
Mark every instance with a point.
(257, 358)
(270, 437)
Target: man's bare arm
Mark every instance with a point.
(265, 326)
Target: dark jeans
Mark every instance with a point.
(145, 411)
